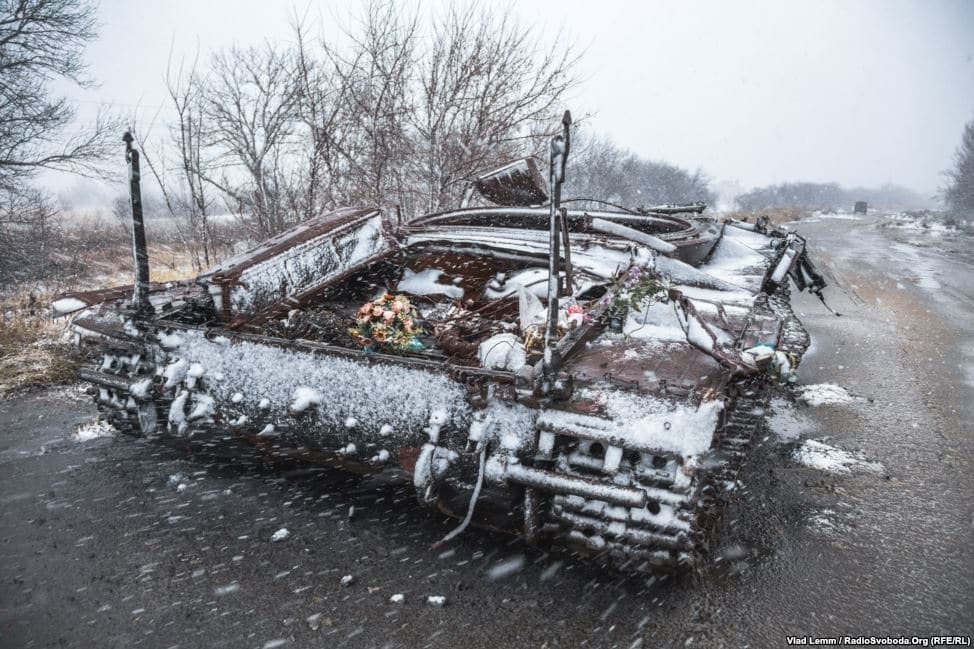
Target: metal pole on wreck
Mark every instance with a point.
(560, 145)
(140, 297)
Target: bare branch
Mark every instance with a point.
(40, 41)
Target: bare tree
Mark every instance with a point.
(186, 96)
(312, 106)
(26, 221)
(959, 192)
(412, 115)
(249, 115)
(186, 192)
(40, 41)
(802, 195)
(487, 94)
(368, 143)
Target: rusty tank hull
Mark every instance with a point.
(621, 431)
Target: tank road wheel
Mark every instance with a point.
(136, 418)
(128, 414)
(147, 416)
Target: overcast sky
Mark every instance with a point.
(859, 92)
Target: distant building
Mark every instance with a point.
(860, 207)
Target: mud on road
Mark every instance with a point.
(122, 542)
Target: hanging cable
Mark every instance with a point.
(473, 502)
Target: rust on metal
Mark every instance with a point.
(517, 183)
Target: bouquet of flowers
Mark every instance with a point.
(388, 323)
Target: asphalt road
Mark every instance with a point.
(121, 542)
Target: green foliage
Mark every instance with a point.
(634, 289)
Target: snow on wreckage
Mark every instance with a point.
(579, 377)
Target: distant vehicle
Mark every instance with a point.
(582, 378)
(860, 207)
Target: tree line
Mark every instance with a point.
(958, 192)
(826, 196)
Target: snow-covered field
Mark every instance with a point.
(934, 224)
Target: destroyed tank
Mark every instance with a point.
(582, 378)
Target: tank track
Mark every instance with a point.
(678, 527)
(117, 364)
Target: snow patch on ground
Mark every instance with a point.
(821, 394)
(75, 392)
(280, 534)
(931, 224)
(831, 216)
(825, 522)
(786, 423)
(829, 524)
(94, 430)
(818, 455)
(303, 398)
(923, 269)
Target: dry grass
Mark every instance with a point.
(32, 349)
(168, 264)
(88, 252)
